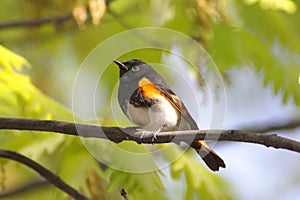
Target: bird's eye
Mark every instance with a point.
(135, 68)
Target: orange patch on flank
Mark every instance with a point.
(148, 89)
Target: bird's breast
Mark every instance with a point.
(161, 115)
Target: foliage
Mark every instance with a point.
(227, 29)
(28, 101)
(200, 183)
(262, 45)
(19, 98)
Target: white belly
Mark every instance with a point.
(162, 116)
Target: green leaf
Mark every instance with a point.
(137, 185)
(234, 47)
(20, 98)
(9, 60)
(129, 165)
(199, 181)
(269, 24)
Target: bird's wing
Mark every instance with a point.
(151, 90)
(178, 105)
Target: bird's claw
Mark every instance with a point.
(144, 133)
(154, 137)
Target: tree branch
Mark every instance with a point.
(52, 178)
(37, 22)
(41, 21)
(117, 134)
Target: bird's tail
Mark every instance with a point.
(212, 160)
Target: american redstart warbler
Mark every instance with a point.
(148, 101)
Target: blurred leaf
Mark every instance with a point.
(277, 30)
(238, 47)
(273, 25)
(21, 99)
(10, 60)
(138, 185)
(80, 15)
(288, 6)
(200, 183)
(122, 169)
(97, 9)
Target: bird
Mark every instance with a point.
(149, 102)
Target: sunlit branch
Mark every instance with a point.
(117, 134)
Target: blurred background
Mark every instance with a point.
(253, 46)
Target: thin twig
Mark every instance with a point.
(41, 21)
(37, 22)
(117, 134)
(52, 178)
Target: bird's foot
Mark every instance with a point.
(146, 133)
(154, 135)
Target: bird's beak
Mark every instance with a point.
(121, 65)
